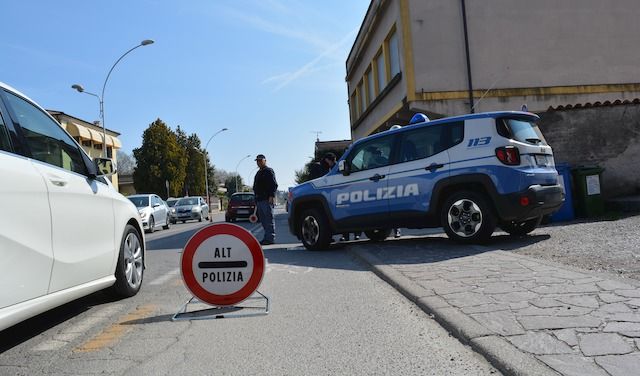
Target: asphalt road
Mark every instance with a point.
(329, 315)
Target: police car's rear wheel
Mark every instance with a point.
(314, 230)
(378, 235)
(467, 217)
(521, 228)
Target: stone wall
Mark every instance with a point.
(604, 135)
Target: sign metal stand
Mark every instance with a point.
(207, 312)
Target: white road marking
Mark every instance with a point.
(71, 333)
(289, 268)
(165, 278)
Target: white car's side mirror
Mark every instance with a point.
(104, 166)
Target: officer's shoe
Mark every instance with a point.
(266, 242)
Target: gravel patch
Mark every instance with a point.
(605, 246)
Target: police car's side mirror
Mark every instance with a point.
(343, 167)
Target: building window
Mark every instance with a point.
(381, 72)
(109, 152)
(363, 97)
(86, 143)
(371, 87)
(354, 107)
(97, 146)
(394, 54)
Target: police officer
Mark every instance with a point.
(323, 167)
(264, 187)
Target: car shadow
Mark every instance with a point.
(30, 328)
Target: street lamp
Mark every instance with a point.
(248, 155)
(206, 172)
(80, 89)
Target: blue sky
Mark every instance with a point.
(272, 71)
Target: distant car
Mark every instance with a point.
(153, 211)
(68, 232)
(241, 206)
(171, 203)
(191, 208)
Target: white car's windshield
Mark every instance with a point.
(187, 201)
(139, 201)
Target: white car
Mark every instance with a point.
(66, 232)
(153, 211)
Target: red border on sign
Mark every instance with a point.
(222, 229)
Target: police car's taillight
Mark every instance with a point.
(509, 155)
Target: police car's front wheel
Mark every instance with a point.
(314, 230)
(468, 217)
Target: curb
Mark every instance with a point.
(499, 353)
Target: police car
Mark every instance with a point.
(467, 174)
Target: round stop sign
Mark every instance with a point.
(222, 264)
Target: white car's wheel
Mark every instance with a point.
(130, 267)
(152, 225)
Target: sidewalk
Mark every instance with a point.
(526, 316)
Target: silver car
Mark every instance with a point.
(152, 210)
(191, 208)
(171, 203)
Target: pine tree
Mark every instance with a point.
(160, 158)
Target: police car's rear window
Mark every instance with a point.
(520, 130)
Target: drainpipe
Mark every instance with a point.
(466, 48)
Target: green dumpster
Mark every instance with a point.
(587, 198)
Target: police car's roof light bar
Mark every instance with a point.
(419, 118)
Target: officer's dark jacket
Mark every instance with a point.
(317, 170)
(264, 184)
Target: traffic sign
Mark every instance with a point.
(222, 264)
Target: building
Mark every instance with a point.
(336, 147)
(452, 57)
(90, 137)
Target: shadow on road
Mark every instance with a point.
(34, 326)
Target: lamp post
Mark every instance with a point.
(247, 156)
(206, 172)
(80, 89)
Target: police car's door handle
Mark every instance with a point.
(376, 177)
(433, 167)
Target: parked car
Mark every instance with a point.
(241, 206)
(171, 203)
(153, 211)
(191, 208)
(70, 233)
(467, 174)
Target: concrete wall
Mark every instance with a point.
(607, 136)
(520, 43)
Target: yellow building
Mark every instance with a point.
(446, 57)
(90, 137)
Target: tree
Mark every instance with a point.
(230, 184)
(160, 158)
(126, 163)
(194, 182)
(304, 174)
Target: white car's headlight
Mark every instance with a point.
(195, 209)
(143, 214)
(173, 210)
